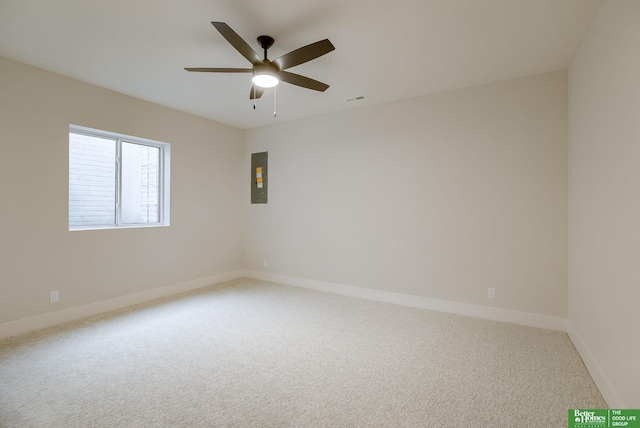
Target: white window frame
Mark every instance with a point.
(164, 178)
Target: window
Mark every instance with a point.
(117, 180)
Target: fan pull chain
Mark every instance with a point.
(253, 96)
(274, 103)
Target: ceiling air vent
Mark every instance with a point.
(358, 98)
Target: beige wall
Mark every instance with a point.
(440, 196)
(38, 253)
(604, 197)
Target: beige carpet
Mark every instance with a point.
(256, 354)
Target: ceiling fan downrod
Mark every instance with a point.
(266, 42)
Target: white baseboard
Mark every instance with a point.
(505, 315)
(496, 314)
(598, 376)
(46, 320)
(477, 311)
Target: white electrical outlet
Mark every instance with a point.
(266, 263)
(54, 296)
(492, 293)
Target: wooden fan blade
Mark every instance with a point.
(256, 92)
(238, 43)
(221, 70)
(304, 54)
(305, 82)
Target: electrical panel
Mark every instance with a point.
(259, 177)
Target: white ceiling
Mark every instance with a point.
(385, 49)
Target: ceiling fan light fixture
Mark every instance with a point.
(265, 80)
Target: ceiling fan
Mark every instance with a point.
(267, 74)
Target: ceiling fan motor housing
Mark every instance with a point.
(267, 67)
(261, 71)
